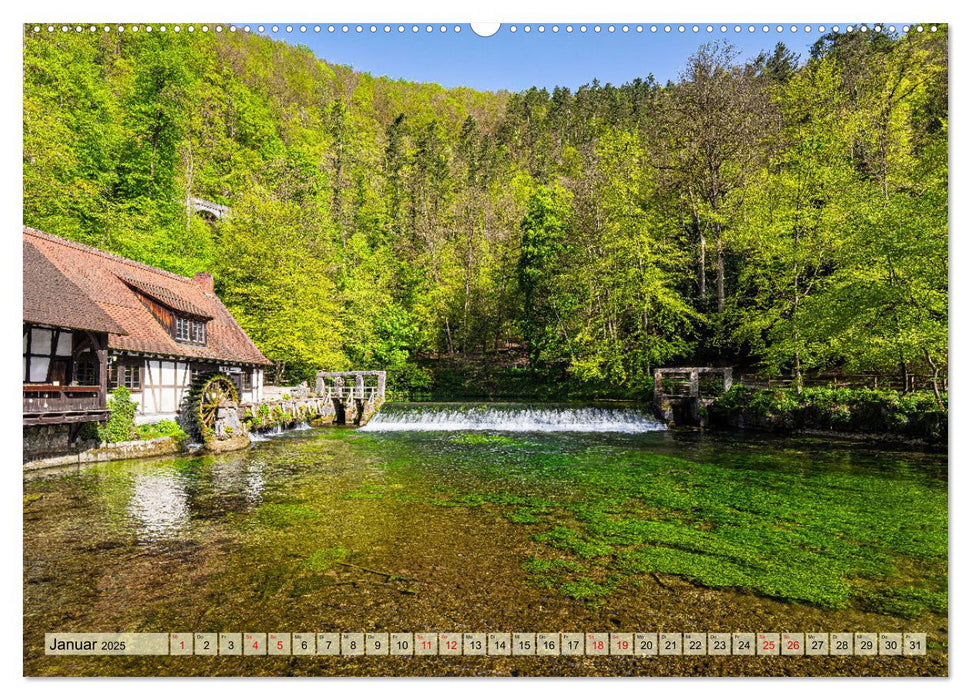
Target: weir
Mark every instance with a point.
(512, 418)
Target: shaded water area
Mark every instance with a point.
(472, 528)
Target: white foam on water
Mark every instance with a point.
(511, 419)
(277, 431)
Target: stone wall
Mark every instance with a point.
(135, 449)
(50, 440)
(316, 410)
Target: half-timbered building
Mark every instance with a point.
(160, 328)
(65, 351)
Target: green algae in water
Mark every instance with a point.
(807, 524)
(907, 602)
(486, 439)
(588, 517)
(324, 559)
(284, 515)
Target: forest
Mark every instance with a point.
(786, 215)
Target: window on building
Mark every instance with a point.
(190, 330)
(126, 374)
(86, 369)
(199, 332)
(247, 379)
(44, 349)
(181, 328)
(132, 376)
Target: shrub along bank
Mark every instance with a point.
(121, 427)
(914, 415)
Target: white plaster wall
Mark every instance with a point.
(164, 383)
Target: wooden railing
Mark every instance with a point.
(343, 398)
(54, 398)
(712, 381)
(853, 381)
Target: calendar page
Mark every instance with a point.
(511, 349)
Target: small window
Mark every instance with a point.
(126, 375)
(133, 376)
(86, 369)
(247, 379)
(41, 341)
(181, 328)
(199, 332)
(65, 343)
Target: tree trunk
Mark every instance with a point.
(448, 337)
(937, 388)
(469, 261)
(189, 172)
(702, 265)
(798, 378)
(566, 336)
(795, 320)
(720, 281)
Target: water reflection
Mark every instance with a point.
(255, 482)
(240, 477)
(255, 537)
(160, 506)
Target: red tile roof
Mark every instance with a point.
(107, 281)
(165, 296)
(51, 299)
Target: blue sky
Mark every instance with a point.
(518, 60)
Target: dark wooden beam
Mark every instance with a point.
(62, 418)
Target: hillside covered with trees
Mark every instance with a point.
(784, 214)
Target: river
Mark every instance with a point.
(463, 517)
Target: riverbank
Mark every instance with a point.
(166, 446)
(110, 452)
(887, 416)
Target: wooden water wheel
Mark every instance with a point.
(210, 392)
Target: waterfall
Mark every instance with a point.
(509, 418)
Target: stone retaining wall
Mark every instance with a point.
(135, 449)
(285, 412)
(46, 440)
